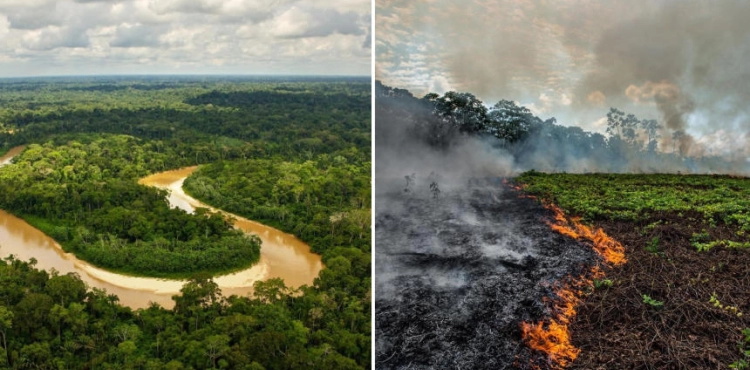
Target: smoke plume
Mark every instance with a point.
(684, 63)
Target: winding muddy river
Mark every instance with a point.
(282, 255)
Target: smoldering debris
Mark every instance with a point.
(460, 260)
(456, 275)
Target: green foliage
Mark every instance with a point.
(651, 302)
(651, 226)
(605, 283)
(462, 110)
(79, 188)
(653, 245)
(743, 346)
(741, 363)
(705, 247)
(702, 242)
(266, 117)
(636, 197)
(700, 237)
(714, 200)
(85, 195)
(204, 330)
(324, 201)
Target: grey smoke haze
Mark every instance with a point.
(399, 153)
(684, 63)
(456, 273)
(444, 228)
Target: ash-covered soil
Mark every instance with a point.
(457, 274)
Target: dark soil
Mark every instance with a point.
(615, 329)
(456, 275)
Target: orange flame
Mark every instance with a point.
(553, 337)
(611, 250)
(553, 340)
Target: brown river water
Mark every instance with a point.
(282, 255)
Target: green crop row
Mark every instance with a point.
(633, 197)
(708, 199)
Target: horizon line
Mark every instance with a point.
(183, 75)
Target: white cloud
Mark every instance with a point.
(52, 37)
(185, 6)
(315, 22)
(184, 36)
(4, 26)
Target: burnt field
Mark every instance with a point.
(457, 274)
(477, 276)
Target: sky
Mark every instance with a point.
(95, 37)
(685, 63)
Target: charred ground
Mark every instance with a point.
(457, 274)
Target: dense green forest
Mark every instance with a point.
(90, 139)
(293, 119)
(50, 321)
(325, 201)
(86, 197)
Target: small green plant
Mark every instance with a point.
(743, 346)
(650, 227)
(739, 364)
(652, 302)
(718, 267)
(731, 309)
(653, 246)
(700, 237)
(606, 283)
(701, 242)
(737, 245)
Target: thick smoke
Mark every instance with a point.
(686, 57)
(403, 129)
(460, 260)
(402, 149)
(414, 136)
(684, 63)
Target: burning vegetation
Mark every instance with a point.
(552, 336)
(680, 301)
(456, 275)
(471, 274)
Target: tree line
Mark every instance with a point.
(631, 144)
(52, 321)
